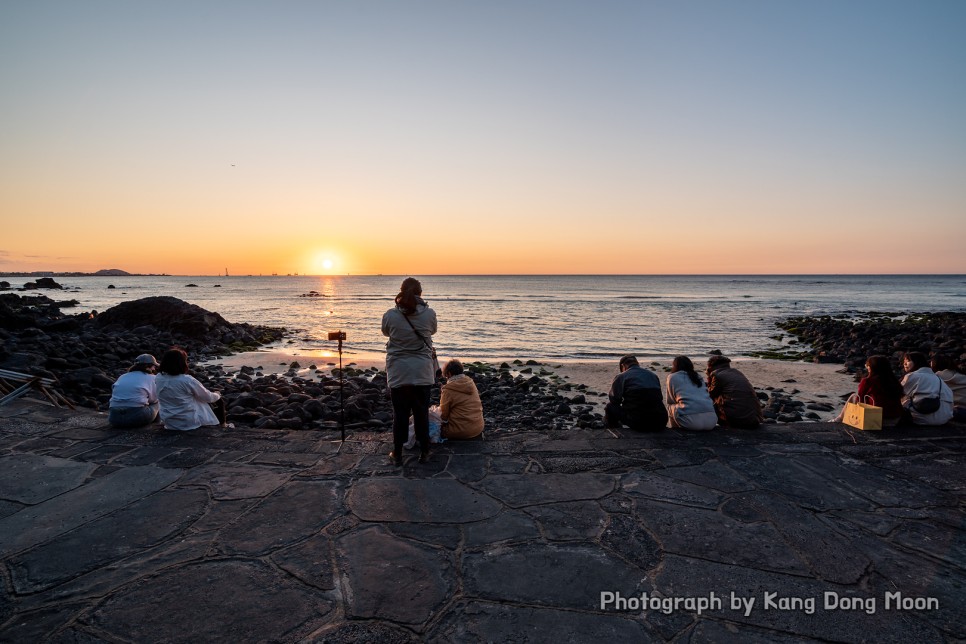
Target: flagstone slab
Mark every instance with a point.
(943, 471)
(226, 601)
(140, 525)
(509, 525)
(40, 523)
(9, 507)
(627, 537)
(310, 561)
(579, 520)
(229, 481)
(935, 540)
(521, 490)
(828, 554)
(365, 632)
(391, 578)
(467, 467)
(687, 577)
(799, 484)
(713, 474)
(446, 535)
(297, 511)
(99, 583)
(38, 625)
(31, 479)
(593, 462)
(486, 622)
(429, 500)
(562, 576)
(662, 488)
(712, 535)
(913, 575)
(882, 486)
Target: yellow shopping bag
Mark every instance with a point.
(861, 415)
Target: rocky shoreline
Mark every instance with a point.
(851, 339)
(86, 352)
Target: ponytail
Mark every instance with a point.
(409, 294)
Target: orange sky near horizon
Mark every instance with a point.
(546, 138)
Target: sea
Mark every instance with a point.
(562, 317)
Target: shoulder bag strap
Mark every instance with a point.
(421, 337)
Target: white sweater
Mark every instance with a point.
(184, 402)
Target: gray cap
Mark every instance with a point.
(146, 358)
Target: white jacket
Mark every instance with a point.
(184, 402)
(925, 383)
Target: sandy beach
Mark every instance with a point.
(813, 382)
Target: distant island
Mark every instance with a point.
(104, 272)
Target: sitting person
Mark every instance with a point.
(734, 398)
(688, 402)
(460, 407)
(927, 399)
(946, 368)
(185, 403)
(635, 398)
(881, 388)
(134, 396)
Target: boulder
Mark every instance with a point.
(164, 313)
(48, 282)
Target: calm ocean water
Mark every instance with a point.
(565, 317)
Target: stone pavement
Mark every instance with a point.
(248, 535)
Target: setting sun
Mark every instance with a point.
(322, 262)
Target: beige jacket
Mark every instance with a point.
(460, 405)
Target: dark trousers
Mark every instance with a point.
(643, 420)
(406, 400)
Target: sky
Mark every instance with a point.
(499, 137)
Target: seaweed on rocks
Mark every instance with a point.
(851, 340)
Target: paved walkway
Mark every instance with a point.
(249, 535)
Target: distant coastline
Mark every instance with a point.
(106, 272)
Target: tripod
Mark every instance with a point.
(340, 336)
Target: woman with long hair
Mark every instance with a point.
(882, 388)
(185, 403)
(410, 366)
(688, 402)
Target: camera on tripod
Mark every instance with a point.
(337, 335)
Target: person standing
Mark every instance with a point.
(688, 402)
(635, 398)
(134, 396)
(410, 366)
(734, 398)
